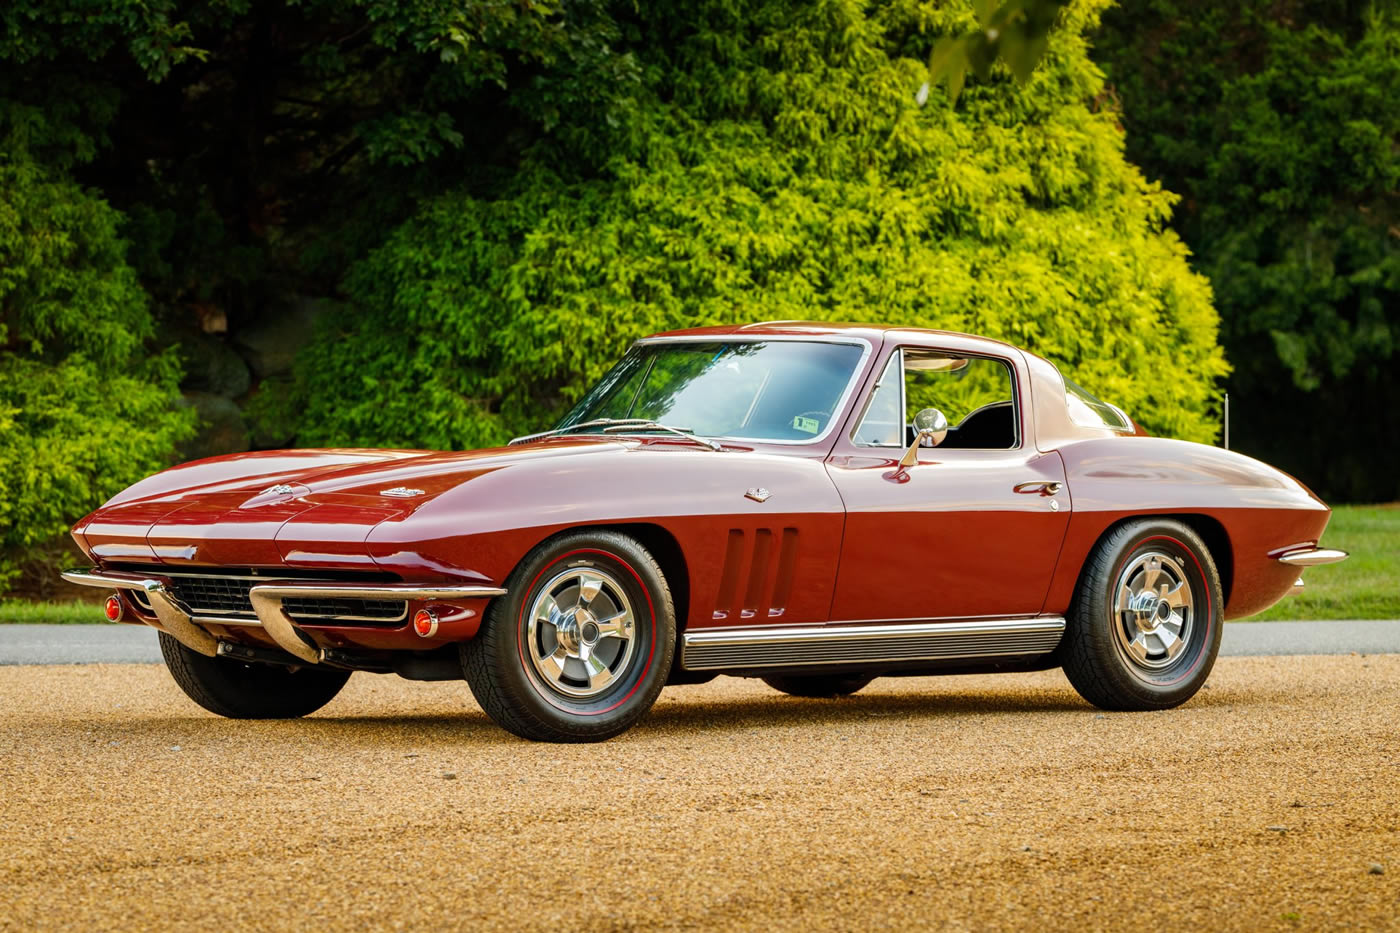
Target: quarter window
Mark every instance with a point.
(1087, 411)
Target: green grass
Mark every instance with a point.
(1364, 586)
(33, 613)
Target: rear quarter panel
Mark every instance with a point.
(1261, 511)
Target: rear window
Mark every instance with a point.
(1090, 412)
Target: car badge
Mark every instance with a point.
(281, 489)
(758, 494)
(401, 492)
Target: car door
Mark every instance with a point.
(974, 528)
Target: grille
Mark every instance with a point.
(219, 595)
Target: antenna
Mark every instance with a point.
(1227, 420)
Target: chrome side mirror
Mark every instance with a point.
(930, 426)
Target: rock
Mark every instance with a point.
(271, 346)
(210, 364)
(1375, 868)
(449, 775)
(222, 429)
(1277, 829)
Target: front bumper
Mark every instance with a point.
(184, 626)
(1311, 556)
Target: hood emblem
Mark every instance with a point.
(281, 489)
(401, 492)
(758, 494)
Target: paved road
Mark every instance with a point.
(130, 644)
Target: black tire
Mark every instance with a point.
(818, 686)
(250, 691)
(507, 663)
(1109, 654)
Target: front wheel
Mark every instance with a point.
(250, 691)
(1144, 628)
(580, 646)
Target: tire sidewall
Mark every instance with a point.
(653, 626)
(1176, 684)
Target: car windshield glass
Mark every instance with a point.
(759, 390)
(1086, 410)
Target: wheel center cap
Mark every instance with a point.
(1146, 607)
(1164, 610)
(567, 633)
(587, 626)
(577, 630)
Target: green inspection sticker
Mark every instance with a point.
(810, 425)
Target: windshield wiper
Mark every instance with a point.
(616, 426)
(526, 438)
(644, 425)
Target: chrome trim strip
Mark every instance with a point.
(226, 620)
(1312, 556)
(818, 645)
(174, 618)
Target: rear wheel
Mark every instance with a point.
(250, 691)
(1144, 629)
(580, 646)
(818, 685)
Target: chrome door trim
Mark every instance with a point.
(868, 643)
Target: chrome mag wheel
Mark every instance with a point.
(579, 632)
(1153, 611)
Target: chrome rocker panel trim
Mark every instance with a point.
(1312, 556)
(818, 645)
(267, 598)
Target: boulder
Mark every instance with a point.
(211, 365)
(271, 345)
(222, 429)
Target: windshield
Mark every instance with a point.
(776, 390)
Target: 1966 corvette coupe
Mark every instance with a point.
(815, 505)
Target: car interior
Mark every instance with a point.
(974, 393)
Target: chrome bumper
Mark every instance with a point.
(1311, 557)
(177, 620)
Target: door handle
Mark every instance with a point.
(1044, 487)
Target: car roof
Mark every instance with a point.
(873, 333)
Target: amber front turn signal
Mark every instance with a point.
(425, 623)
(113, 608)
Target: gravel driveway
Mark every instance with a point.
(1268, 802)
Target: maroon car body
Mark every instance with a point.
(761, 537)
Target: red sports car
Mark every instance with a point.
(813, 504)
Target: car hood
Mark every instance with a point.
(294, 507)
